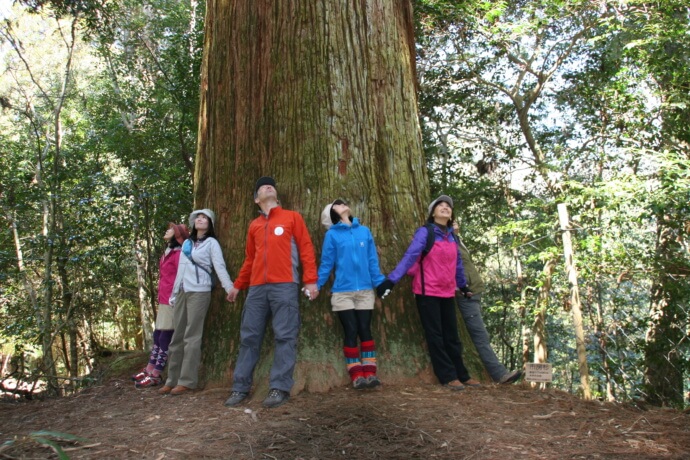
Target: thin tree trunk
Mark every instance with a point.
(73, 350)
(539, 327)
(28, 286)
(594, 293)
(571, 272)
(85, 347)
(146, 309)
(522, 312)
(540, 349)
(663, 355)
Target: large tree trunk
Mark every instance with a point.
(320, 95)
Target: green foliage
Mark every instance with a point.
(527, 104)
(122, 173)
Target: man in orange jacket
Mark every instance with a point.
(276, 241)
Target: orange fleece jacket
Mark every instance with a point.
(276, 243)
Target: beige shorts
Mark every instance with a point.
(164, 320)
(354, 300)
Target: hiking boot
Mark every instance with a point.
(276, 397)
(455, 385)
(373, 381)
(360, 383)
(472, 383)
(511, 377)
(165, 390)
(148, 381)
(180, 389)
(142, 374)
(235, 398)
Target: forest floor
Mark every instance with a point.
(394, 421)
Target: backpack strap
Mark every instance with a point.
(430, 239)
(189, 255)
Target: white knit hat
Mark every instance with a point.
(327, 214)
(207, 212)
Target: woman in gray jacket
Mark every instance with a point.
(191, 296)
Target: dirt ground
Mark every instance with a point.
(394, 421)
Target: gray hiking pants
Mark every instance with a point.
(281, 302)
(184, 352)
(471, 311)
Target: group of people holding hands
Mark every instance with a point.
(277, 243)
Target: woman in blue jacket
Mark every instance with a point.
(349, 248)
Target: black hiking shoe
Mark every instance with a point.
(235, 398)
(276, 397)
(373, 381)
(359, 383)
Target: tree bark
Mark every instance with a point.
(571, 272)
(320, 95)
(539, 326)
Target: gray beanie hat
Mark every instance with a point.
(207, 212)
(440, 199)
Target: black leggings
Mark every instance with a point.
(355, 323)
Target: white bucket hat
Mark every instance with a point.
(207, 212)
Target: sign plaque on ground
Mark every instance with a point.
(538, 372)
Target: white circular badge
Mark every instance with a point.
(278, 231)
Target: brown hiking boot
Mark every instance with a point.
(165, 390)
(180, 389)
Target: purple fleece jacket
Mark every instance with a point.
(443, 270)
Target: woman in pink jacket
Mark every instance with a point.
(151, 375)
(436, 276)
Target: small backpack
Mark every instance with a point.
(430, 240)
(187, 250)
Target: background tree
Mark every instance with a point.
(593, 112)
(128, 127)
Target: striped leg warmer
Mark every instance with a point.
(368, 358)
(354, 366)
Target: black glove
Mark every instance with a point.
(466, 292)
(383, 289)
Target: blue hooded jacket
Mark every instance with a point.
(351, 250)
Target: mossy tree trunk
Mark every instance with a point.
(321, 96)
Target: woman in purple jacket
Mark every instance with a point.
(436, 277)
(151, 375)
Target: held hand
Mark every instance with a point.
(383, 289)
(311, 291)
(232, 295)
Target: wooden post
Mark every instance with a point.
(571, 272)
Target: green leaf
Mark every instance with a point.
(53, 445)
(58, 435)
